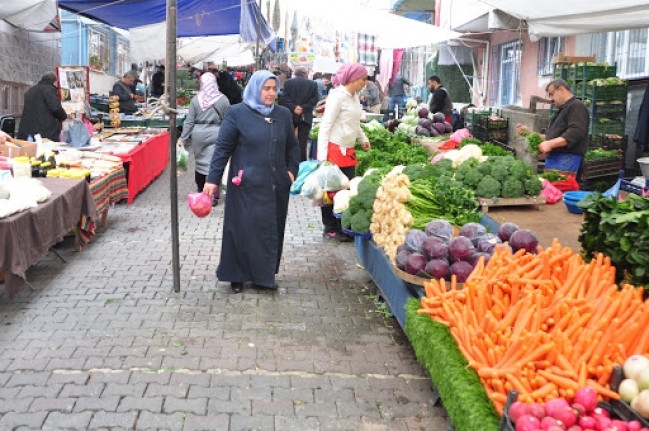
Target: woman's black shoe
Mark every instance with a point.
(236, 287)
(215, 201)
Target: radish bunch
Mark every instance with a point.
(559, 415)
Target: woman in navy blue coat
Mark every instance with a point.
(258, 138)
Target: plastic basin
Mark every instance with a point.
(571, 199)
(644, 166)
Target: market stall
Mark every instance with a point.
(27, 235)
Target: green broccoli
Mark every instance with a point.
(360, 221)
(513, 188)
(354, 204)
(520, 170)
(485, 168)
(500, 171)
(473, 177)
(414, 171)
(346, 220)
(533, 186)
(464, 168)
(366, 194)
(488, 187)
(442, 167)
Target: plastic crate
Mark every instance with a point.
(605, 92)
(613, 127)
(608, 141)
(560, 71)
(488, 135)
(476, 117)
(603, 109)
(494, 123)
(601, 167)
(583, 71)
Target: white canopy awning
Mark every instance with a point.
(31, 15)
(561, 18)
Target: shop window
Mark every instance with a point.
(548, 47)
(504, 88)
(628, 49)
(123, 64)
(99, 54)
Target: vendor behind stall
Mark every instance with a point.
(566, 139)
(122, 89)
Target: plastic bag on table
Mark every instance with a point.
(569, 184)
(200, 204)
(182, 155)
(307, 167)
(551, 194)
(76, 135)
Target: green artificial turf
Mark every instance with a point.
(459, 386)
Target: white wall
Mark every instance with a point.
(101, 83)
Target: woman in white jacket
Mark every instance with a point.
(339, 130)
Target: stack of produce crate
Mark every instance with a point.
(487, 125)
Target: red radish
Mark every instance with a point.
(634, 425)
(618, 425)
(603, 422)
(536, 410)
(516, 410)
(598, 412)
(587, 422)
(587, 397)
(555, 428)
(528, 423)
(575, 428)
(553, 405)
(548, 422)
(579, 408)
(566, 415)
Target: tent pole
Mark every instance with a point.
(257, 57)
(170, 87)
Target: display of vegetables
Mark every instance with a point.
(544, 323)
(599, 153)
(634, 388)
(391, 219)
(358, 215)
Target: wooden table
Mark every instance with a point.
(26, 236)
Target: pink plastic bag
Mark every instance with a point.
(551, 194)
(460, 134)
(200, 204)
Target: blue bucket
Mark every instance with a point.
(571, 199)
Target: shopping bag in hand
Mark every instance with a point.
(200, 204)
(182, 155)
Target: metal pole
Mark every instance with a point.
(170, 84)
(257, 56)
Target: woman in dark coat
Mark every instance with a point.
(258, 138)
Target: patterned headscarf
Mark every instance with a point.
(252, 92)
(347, 73)
(209, 92)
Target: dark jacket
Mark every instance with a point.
(396, 87)
(42, 113)
(300, 91)
(229, 87)
(126, 102)
(264, 148)
(571, 123)
(441, 101)
(157, 83)
(641, 135)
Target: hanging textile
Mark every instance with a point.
(367, 50)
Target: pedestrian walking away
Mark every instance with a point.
(202, 124)
(258, 139)
(300, 96)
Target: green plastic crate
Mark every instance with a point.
(602, 109)
(614, 127)
(560, 71)
(608, 92)
(583, 71)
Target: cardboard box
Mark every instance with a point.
(561, 58)
(18, 148)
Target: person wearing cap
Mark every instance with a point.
(42, 112)
(339, 130)
(122, 89)
(158, 82)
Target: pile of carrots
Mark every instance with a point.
(544, 324)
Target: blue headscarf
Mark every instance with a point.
(252, 92)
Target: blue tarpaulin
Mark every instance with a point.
(195, 17)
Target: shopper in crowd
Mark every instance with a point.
(328, 85)
(397, 91)
(370, 96)
(317, 78)
(300, 96)
(227, 85)
(158, 81)
(339, 130)
(258, 139)
(202, 124)
(440, 98)
(567, 132)
(42, 111)
(122, 89)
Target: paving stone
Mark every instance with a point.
(110, 420)
(33, 420)
(156, 421)
(197, 406)
(108, 404)
(73, 421)
(206, 423)
(52, 404)
(153, 405)
(250, 423)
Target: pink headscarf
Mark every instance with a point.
(348, 72)
(209, 92)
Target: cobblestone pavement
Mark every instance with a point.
(103, 342)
